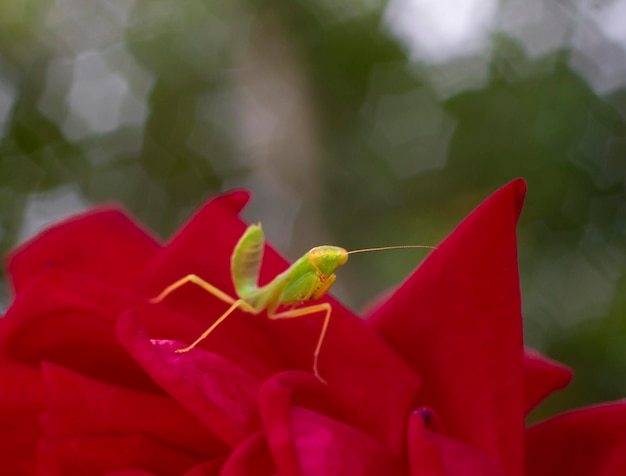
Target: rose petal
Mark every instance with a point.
(77, 405)
(70, 320)
(207, 468)
(21, 400)
(353, 359)
(433, 454)
(377, 387)
(542, 376)
(221, 395)
(306, 434)
(457, 320)
(582, 442)
(100, 454)
(251, 458)
(103, 244)
(330, 447)
(129, 472)
(243, 339)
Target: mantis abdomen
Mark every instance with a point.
(246, 262)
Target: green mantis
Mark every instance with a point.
(306, 280)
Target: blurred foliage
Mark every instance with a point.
(343, 134)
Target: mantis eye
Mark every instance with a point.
(327, 258)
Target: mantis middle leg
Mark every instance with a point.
(305, 311)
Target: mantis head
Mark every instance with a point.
(326, 259)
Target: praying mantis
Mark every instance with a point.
(306, 280)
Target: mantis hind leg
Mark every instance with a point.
(305, 311)
(192, 278)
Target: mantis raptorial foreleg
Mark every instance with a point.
(305, 311)
(205, 334)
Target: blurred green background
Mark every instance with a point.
(358, 123)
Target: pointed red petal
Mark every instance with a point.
(203, 246)
(457, 320)
(542, 376)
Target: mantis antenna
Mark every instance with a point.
(382, 248)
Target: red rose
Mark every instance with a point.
(435, 382)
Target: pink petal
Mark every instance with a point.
(457, 320)
(70, 320)
(101, 454)
(251, 458)
(591, 441)
(102, 244)
(307, 436)
(219, 394)
(433, 454)
(77, 405)
(542, 376)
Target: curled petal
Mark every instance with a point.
(307, 436)
(579, 443)
(251, 458)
